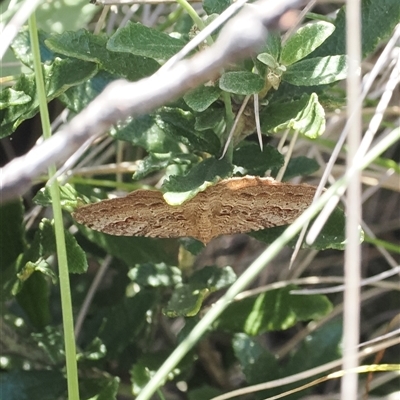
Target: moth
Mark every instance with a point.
(234, 205)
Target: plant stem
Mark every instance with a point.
(66, 304)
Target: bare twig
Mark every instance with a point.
(122, 99)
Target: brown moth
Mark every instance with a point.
(235, 205)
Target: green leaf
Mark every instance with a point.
(59, 76)
(203, 392)
(44, 245)
(134, 250)
(378, 19)
(143, 41)
(317, 71)
(215, 6)
(273, 45)
(202, 97)
(51, 340)
(191, 245)
(34, 298)
(320, 347)
(32, 385)
(86, 46)
(12, 237)
(305, 41)
(155, 275)
(257, 364)
(332, 235)
(180, 125)
(256, 162)
(300, 166)
(181, 188)
(186, 300)
(163, 132)
(241, 82)
(211, 118)
(156, 162)
(77, 263)
(121, 324)
(305, 115)
(213, 278)
(146, 366)
(11, 97)
(148, 132)
(268, 60)
(272, 311)
(65, 15)
(23, 50)
(104, 388)
(69, 197)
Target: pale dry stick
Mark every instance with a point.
(232, 131)
(368, 81)
(352, 252)
(121, 99)
(304, 375)
(90, 294)
(365, 144)
(12, 28)
(340, 288)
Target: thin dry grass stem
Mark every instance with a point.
(67, 170)
(257, 118)
(363, 282)
(300, 18)
(90, 294)
(234, 126)
(288, 155)
(101, 20)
